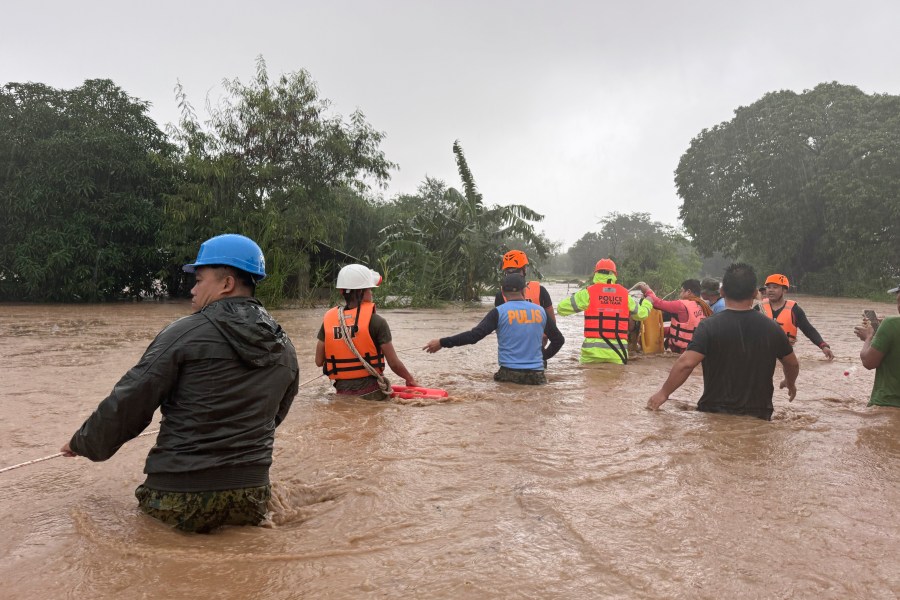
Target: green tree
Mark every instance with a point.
(663, 261)
(642, 249)
(274, 165)
(585, 253)
(83, 173)
(538, 254)
(803, 184)
(449, 248)
(618, 229)
(366, 218)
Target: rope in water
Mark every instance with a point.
(322, 374)
(58, 454)
(30, 462)
(37, 460)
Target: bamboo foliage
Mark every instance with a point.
(450, 248)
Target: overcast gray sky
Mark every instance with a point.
(575, 109)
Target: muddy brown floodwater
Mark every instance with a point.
(571, 490)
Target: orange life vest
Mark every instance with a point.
(532, 292)
(785, 318)
(682, 332)
(340, 362)
(607, 315)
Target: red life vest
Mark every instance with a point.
(532, 292)
(340, 362)
(682, 332)
(785, 318)
(607, 314)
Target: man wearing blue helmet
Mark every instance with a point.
(224, 378)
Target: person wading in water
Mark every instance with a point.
(788, 313)
(607, 306)
(738, 349)
(520, 331)
(687, 312)
(369, 339)
(516, 261)
(224, 379)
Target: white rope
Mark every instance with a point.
(323, 374)
(30, 462)
(311, 380)
(42, 459)
(343, 325)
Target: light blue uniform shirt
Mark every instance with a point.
(718, 306)
(520, 335)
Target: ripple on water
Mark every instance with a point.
(60, 328)
(293, 502)
(570, 490)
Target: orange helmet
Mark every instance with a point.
(778, 279)
(514, 259)
(605, 264)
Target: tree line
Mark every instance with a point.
(100, 203)
(804, 184)
(643, 250)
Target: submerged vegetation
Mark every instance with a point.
(99, 203)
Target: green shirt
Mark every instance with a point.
(886, 391)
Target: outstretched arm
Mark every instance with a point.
(681, 370)
(676, 307)
(639, 310)
(575, 303)
(127, 411)
(473, 336)
(811, 332)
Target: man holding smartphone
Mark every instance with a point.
(881, 351)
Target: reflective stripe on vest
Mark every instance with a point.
(532, 293)
(340, 363)
(607, 314)
(681, 333)
(785, 318)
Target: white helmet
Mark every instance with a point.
(357, 277)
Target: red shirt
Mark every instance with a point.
(676, 307)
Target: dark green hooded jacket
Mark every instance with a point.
(224, 379)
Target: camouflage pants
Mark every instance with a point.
(520, 376)
(201, 512)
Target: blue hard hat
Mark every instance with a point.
(231, 249)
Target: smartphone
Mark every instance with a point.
(874, 321)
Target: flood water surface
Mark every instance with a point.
(569, 490)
